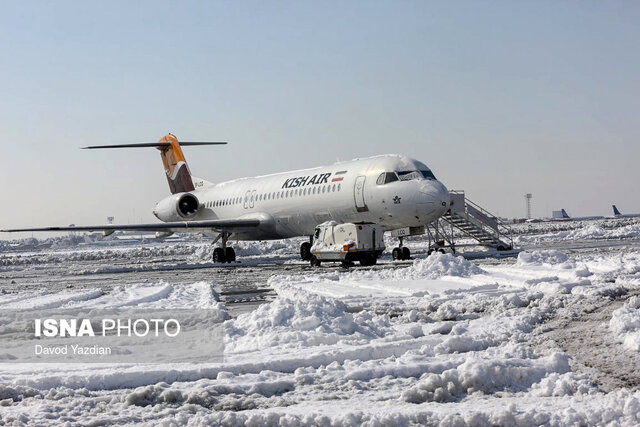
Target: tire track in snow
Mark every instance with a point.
(124, 377)
(57, 300)
(592, 346)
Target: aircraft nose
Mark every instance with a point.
(435, 194)
(443, 197)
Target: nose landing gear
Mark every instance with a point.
(401, 253)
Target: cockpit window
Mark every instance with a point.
(411, 175)
(386, 177)
(428, 174)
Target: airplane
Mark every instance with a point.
(393, 191)
(562, 215)
(617, 214)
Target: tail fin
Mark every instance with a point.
(175, 166)
(565, 214)
(616, 212)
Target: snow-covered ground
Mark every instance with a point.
(440, 340)
(625, 323)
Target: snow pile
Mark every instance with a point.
(625, 323)
(268, 247)
(439, 265)
(567, 384)
(434, 274)
(302, 320)
(578, 230)
(548, 257)
(122, 253)
(434, 266)
(280, 248)
(199, 295)
(596, 231)
(485, 376)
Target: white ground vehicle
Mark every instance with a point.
(347, 243)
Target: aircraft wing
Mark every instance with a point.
(230, 225)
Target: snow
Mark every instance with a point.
(625, 323)
(440, 340)
(606, 229)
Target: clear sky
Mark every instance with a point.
(498, 98)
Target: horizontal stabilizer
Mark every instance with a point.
(151, 144)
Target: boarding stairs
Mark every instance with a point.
(474, 222)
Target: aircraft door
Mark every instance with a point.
(361, 205)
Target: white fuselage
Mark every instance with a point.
(294, 203)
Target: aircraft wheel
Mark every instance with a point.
(315, 262)
(230, 255)
(396, 254)
(305, 251)
(218, 255)
(406, 253)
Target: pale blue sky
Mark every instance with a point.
(498, 98)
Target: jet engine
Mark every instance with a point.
(178, 207)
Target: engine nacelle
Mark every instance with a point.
(178, 207)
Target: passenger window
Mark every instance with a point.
(339, 186)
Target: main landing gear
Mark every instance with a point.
(225, 253)
(401, 253)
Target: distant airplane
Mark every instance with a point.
(393, 191)
(562, 215)
(617, 214)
